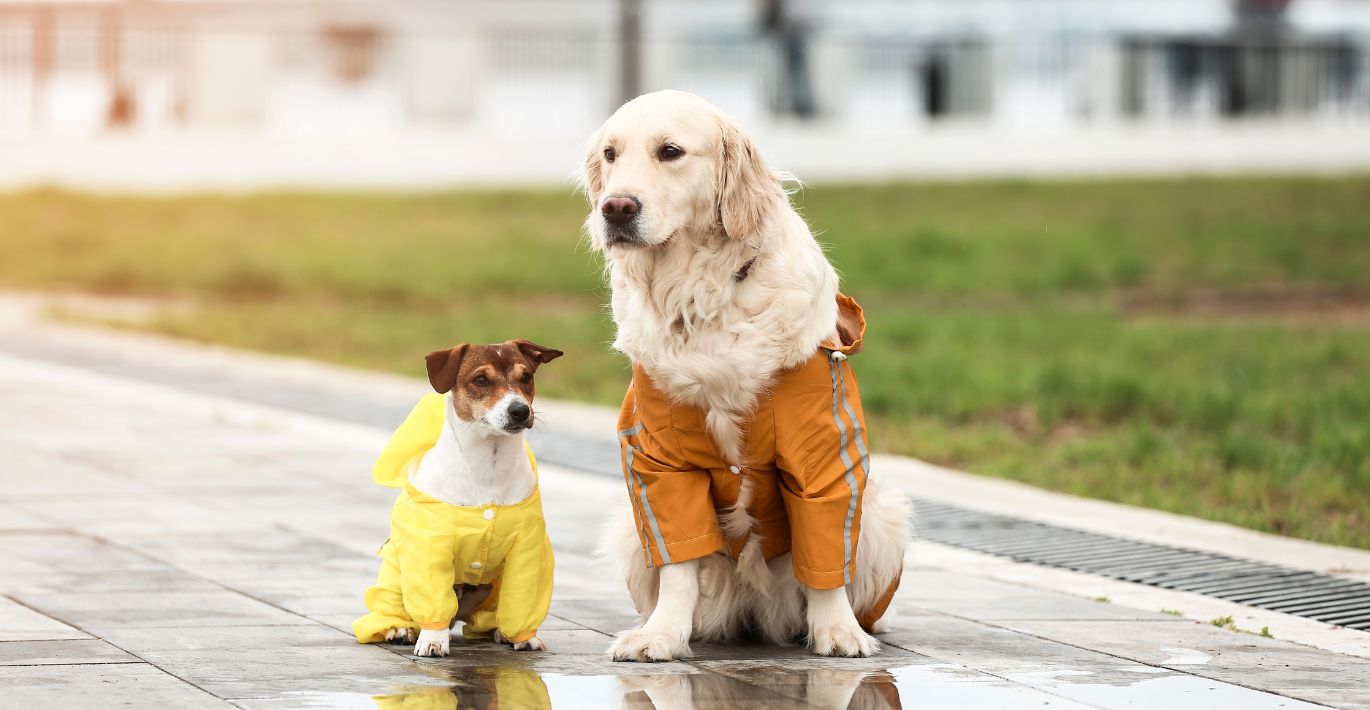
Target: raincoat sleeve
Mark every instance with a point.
(427, 578)
(525, 591)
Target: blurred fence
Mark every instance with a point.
(68, 68)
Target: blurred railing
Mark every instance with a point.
(1242, 77)
(74, 69)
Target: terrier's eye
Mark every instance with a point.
(527, 377)
(610, 154)
(669, 152)
(481, 381)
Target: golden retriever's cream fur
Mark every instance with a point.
(709, 210)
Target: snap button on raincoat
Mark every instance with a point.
(805, 449)
(435, 546)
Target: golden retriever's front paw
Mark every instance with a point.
(645, 645)
(843, 640)
(400, 634)
(433, 642)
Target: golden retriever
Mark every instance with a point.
(681, 206)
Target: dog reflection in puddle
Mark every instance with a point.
(864, 690)
(522, 688)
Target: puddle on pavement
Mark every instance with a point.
(922, 685)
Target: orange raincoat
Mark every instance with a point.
(805, 449)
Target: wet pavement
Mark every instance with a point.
(161, 547)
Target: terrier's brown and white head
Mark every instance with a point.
(490, 384)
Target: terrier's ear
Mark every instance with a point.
(540, 355)
(443, 367)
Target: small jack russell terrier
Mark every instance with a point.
(468, 541)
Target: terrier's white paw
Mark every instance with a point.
(400, 634)
(533, 644)
(843, 640)
(646, 645)
(432, 642)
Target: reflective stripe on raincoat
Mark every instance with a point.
(435, 546)
(805, 450)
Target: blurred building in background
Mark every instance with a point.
(393, 75)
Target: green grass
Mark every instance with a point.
(1200, 346)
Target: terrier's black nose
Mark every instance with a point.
(619, 209)
(518, 412)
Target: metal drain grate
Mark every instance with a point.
(1316, 596)
(1334, 600)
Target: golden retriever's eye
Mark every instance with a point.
(610, 154)
(480, 381)
(669, 152)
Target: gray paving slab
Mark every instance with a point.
(595, 614)
(20, 623)
(96, 687)
(1080, 674)
(1211, 652)
(159, 578)
(268, 661)
(979, 598)
(57, 552)
(1348, 698)
(146, 512)
(101, 610)
(33, 476)
(1008, 653)
(63, 652)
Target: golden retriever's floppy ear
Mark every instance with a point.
(592, 172)
(443, 367)
(540, 355)
(747, 189)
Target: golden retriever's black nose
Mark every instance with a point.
(619, 209)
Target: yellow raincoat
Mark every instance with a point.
(435, 546)
(489, 687)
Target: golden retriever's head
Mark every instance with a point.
(490, 384)
(670, 162)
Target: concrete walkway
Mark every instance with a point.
(164, 547)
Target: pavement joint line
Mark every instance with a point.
(313, 624)
(583, 627)
(83, 663)
(306, 621)
(140, 658)
(309, 623)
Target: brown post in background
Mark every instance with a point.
(629, 50)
